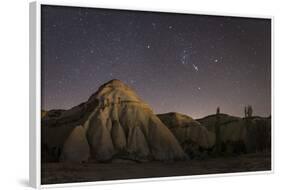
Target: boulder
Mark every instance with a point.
(76, 147)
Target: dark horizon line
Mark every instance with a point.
(222, 113)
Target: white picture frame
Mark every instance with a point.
(35, 94)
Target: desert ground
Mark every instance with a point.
(120, 169)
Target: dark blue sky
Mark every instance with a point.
(176, 62)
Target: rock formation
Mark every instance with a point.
(193, 137)
(241, 135)
(117, 123)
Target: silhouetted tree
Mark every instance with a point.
(218, 132)
(218, 110)
(248, 110)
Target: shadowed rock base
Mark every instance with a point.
(89, 172)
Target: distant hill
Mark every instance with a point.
(240, 135)
(210, 120)
(193, 137)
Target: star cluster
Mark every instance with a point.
(175, 62)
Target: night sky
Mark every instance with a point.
(175, 62)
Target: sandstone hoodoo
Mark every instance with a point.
(113, 123)
(193, 137)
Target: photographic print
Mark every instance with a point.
(137, 94)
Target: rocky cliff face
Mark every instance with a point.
(115, 123)
(241, 135)
(194, 138)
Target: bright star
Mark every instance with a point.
(195, 67)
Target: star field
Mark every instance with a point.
(175, 62)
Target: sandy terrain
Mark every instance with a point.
(69, 172)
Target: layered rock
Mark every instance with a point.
(193, 137)
(240, 135)
(117, 123)
(127, 126)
